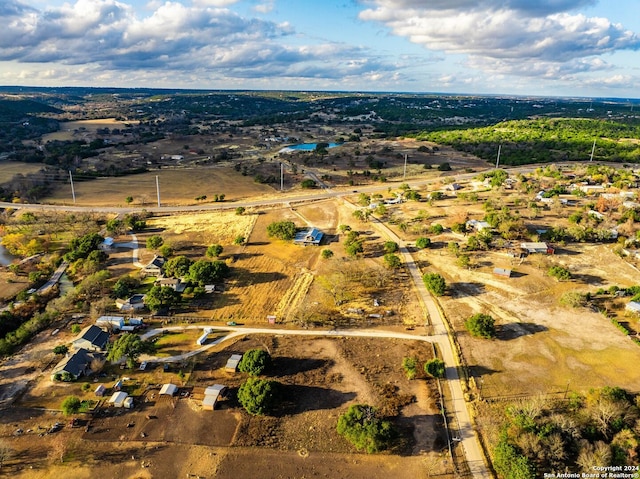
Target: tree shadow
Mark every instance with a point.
(244, 255)
(518, 274)
(588, 279)
(286, 366)
(510, 331)
(461, 290)
(567, 252)
(258, 277)
(295, 399)
(479, 371)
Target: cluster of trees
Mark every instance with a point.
(284, 230)
(81, 248)
(599, 428)
(130, 347)
(353, 245)
(544, 140)
(434, 367)
(24, 330)
(257, 395)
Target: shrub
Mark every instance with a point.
(71, 405)
(434, 368)
(481, 326)
(560, 273)
(327, 253)
(392, 261)
(410, 367)
(361, 426)
(435, 283)
(423, 243)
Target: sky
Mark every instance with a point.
(586, 48)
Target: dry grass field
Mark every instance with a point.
(177, 187)
(8, 169)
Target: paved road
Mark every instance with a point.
(55, 277)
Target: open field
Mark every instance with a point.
(321, 377)
(10, 168)
(177, 187)
(83, 129)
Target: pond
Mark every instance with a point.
(5, 257)
(306, 147)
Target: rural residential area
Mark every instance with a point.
(308, 284)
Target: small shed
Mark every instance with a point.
(633, 307)
(168, 389)
(100, 390)
(310, 236)
(232, 363)
(118, 385)
(118, 398)
(128, 402)
(211, 396)
(202, 339)
(506, 273)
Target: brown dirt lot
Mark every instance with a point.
(170, 437)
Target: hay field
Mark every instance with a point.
(177, 187)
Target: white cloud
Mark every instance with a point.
(264, 7)
(510, 36)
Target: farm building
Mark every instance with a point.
(154, 268)
(311, 236)
(506, 273)
(121, 399)
(134, 303)
(211, 396)
(478, 225)
(168, 389)
(107, 244)
(633, 307)
(92, 338)
(533, 248)
(174, 283)
(110, 322)
(232, 363)
(100, 390)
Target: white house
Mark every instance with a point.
(110, 322)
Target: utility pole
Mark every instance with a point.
(498, 158)
(281, 176)
(73, 191)
(158, 190)
(593, 149)
(404, 174)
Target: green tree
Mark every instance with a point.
(166, 250)
(214, 250)
(238, 240)
(308, 183)
(178, 267)
(423, 242)
(481, 326)
(80, 248)
(435, 283)
(560, 273)
(128, 200)
(75, 328)
(509, 463)
(391, 247)
(327, 253)
(240, 210)
(154, 242)
(71, 405)
(354, 248)
(130, 346)
(392, 261)
(254, 362)
(258, 396)
(362, 427)
(159, 297)
(434, 368)
(125, 287)
(207, 272)
(61, 349)
(284, 230)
